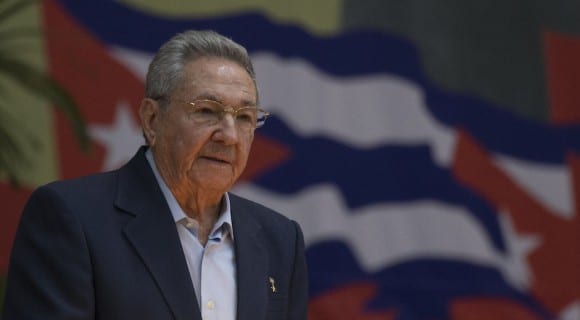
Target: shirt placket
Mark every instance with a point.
(216, 286)
(208, 303)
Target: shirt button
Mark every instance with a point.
(190, 224)
(211, 304)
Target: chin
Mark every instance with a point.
(210, 183)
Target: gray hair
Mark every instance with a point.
(166, 70)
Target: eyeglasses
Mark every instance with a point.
(210, 112)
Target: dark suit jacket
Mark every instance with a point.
(106, 247)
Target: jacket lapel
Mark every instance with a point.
(153, 234)
(251, 263)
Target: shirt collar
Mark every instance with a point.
(223, 225)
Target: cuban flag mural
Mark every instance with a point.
(417, 202)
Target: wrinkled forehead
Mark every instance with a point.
(213, 73)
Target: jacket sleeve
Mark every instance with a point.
(298, 309)
(49, 276)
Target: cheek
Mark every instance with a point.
(189, 146)
(186, 145)
(244, 151)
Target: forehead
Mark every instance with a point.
(219, 78)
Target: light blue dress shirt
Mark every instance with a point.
(211, 268)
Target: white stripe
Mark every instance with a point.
(362, 111)
(382, 235)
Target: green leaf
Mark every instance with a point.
(16, 34)
(39, 83)
(11, 154)
(12, 9)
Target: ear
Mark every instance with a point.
(149, 114)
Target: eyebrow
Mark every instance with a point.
(209, 96)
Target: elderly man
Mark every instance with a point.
(161, 238)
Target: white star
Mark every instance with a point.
(571, 312)
(515, 265)
(121, 139)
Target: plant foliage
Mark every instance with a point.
(34, 81)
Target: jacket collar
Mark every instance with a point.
(251, 262)
(153, 234)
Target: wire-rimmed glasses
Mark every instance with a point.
(210, 112)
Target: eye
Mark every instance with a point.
(204, 110)
(206, 107)
(246, 114)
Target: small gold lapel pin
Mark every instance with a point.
(272, 284)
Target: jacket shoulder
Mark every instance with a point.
(86, 185)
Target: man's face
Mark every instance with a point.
(210, 157)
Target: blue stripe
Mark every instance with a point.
(416, 288)
(350, 54)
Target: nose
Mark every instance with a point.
(227, 132)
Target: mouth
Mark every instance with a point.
(216, 159)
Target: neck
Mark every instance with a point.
(203, 208)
